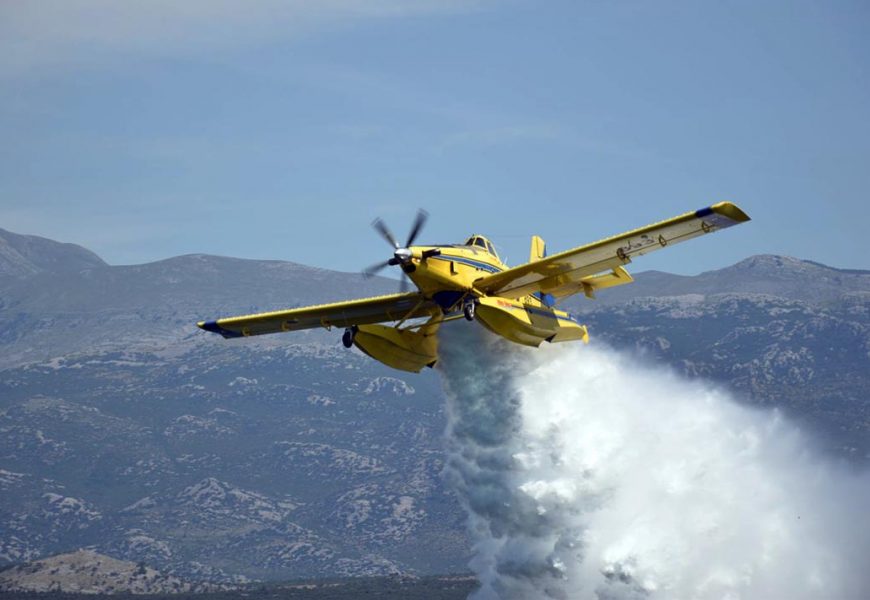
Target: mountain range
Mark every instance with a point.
(126, 430)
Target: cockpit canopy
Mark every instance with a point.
(481, 242)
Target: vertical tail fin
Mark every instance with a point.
(539, 249)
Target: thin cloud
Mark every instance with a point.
(65, 33)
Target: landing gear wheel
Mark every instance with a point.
(468, 310)
(348, 336)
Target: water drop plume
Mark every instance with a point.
(588, 475)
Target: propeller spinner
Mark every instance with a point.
(401, 254)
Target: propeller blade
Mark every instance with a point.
(375, 269)
(403, 284)
(382, 228)
(422, 215)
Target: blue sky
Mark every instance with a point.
(281, 129)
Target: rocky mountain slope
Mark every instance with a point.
(26, 255)
(86, 571)
(765, 274)
(153, 305)
(125, 429)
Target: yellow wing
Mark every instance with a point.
(394, 307)
(584, 269)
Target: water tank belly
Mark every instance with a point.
(516, 321)
(405, 350)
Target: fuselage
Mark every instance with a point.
(447, 274)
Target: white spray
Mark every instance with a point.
(587, 475)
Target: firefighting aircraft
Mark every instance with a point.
(469, 280)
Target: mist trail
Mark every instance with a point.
(587, 475)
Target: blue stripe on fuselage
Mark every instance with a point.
(469, 261)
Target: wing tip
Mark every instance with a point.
(213, 327)
(728, 210)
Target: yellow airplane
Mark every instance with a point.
(469, 280)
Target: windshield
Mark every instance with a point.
(481, 242)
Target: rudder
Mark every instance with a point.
(539, 249)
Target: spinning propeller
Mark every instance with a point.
(401, 254)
